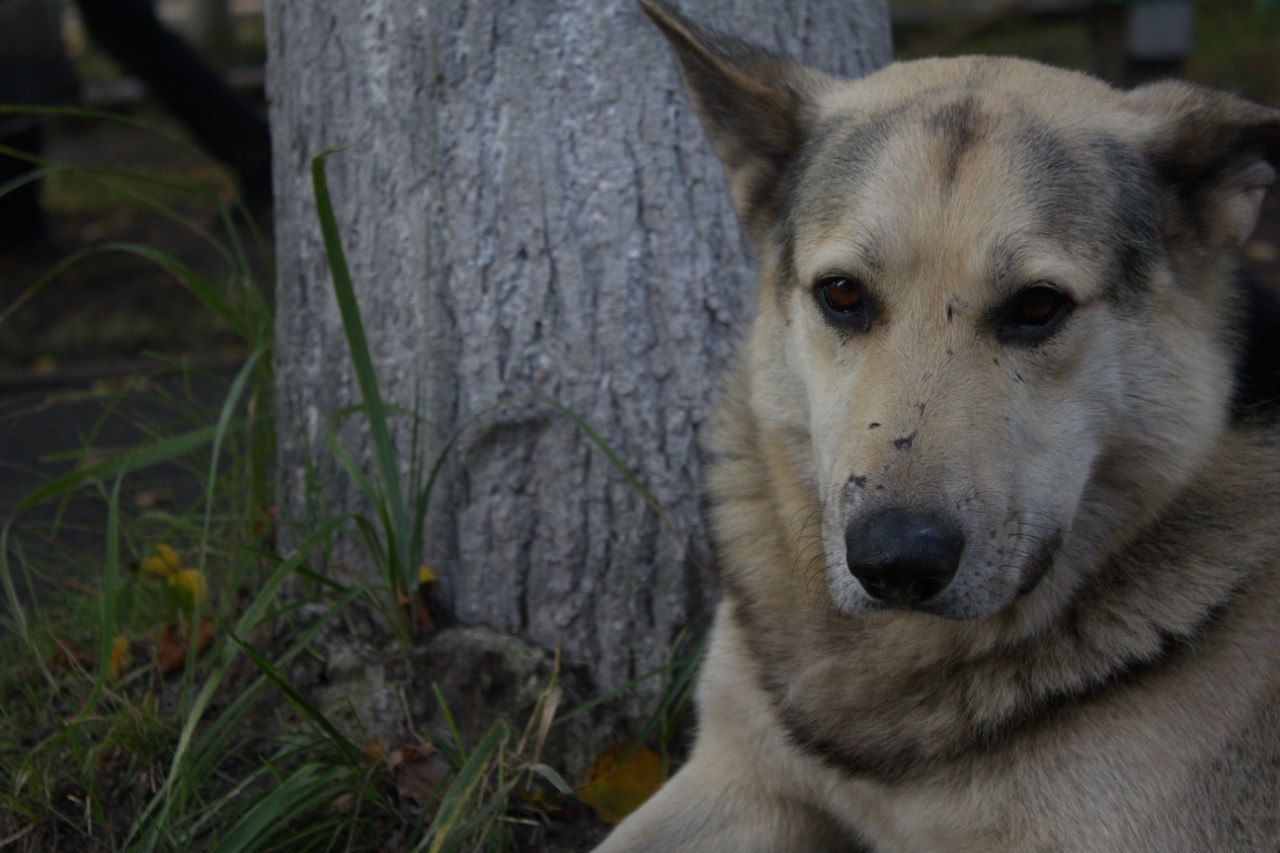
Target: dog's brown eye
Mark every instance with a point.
(1033, 314)
(845, 302)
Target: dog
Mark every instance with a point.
(995, 472)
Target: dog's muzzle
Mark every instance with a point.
(902, 557)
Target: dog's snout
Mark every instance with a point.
(903, 557)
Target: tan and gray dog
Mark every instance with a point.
(996, 473)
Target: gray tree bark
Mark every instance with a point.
(529, 208)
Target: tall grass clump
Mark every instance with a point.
(149, 702)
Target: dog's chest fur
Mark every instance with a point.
(984, 739)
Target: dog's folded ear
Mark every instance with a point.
(754, 106)
(1217, 154)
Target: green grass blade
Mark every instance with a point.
(349, 464)
(48, 276)
(459, 748)
(362, 363)
(211, 297)
(629, 475)
(100, 115)
(556, 780)
(229, 406)
(108, 618)
(164, 450)
(207, 750)
(254, 614)
(470, 777)
(282, 806)
(309, 712)
(615, 692)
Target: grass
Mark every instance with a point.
(151, 700)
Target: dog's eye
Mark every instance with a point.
(1033, 314)
(845, 302)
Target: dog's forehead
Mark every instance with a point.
(988, 156)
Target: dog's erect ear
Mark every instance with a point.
(754, 107)
(1217, 153)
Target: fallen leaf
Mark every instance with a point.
(426, 576)
(419, 772)
(119, 653)
(161, 563)
(167, 554)
(149, 498)
(155, 568)
(188, 588)
(171, 651)
(620, 779)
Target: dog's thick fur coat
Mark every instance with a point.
(997, 307)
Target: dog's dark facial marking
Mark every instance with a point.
(904, 443)
(830, 168)
(858, 481)
(1134, 220)
(1101, 192)
(1055, 178)
(961, 126)
(842, 153)
(873, 425)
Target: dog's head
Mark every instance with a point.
(994, 316)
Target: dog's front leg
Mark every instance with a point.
(744, 790)
(713, 805)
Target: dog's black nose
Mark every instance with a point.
(903, 557)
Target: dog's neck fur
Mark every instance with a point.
(846, 689)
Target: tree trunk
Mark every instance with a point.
(530, 210)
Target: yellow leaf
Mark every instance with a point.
(189, 588)
(119, 649)
(620, 779)
(426, 576)
(156, 567)
(162, 563)
(167, 554)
